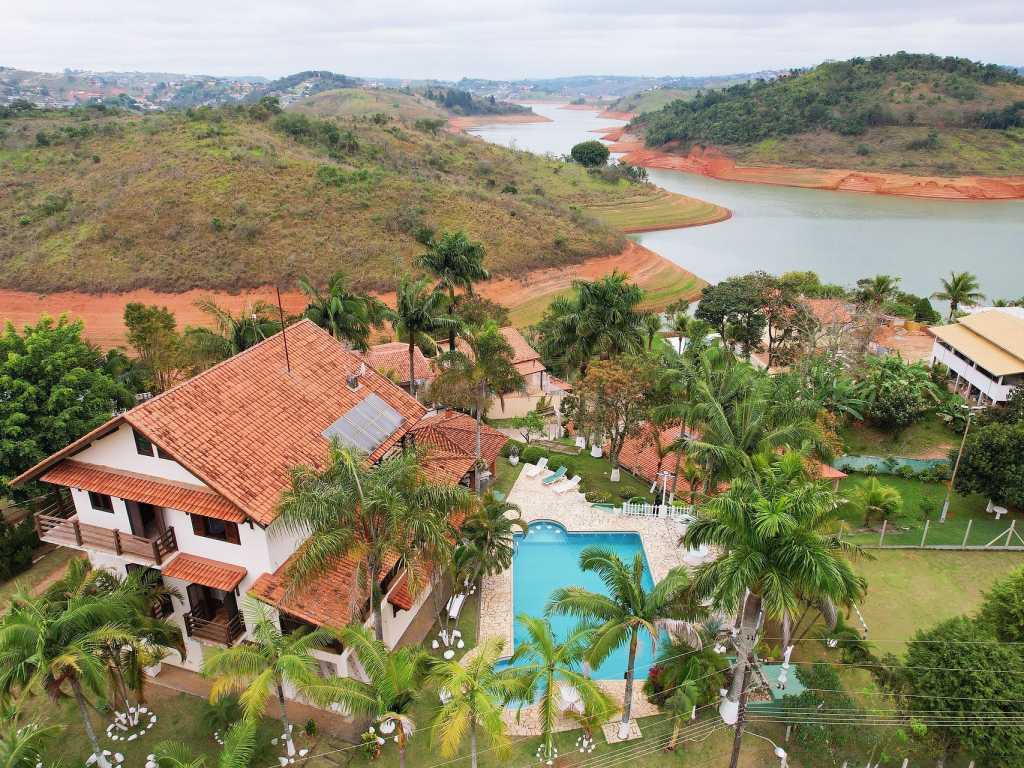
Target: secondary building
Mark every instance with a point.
(984, 352)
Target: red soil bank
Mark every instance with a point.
(709, 161)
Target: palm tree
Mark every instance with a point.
(418, 314)
(475, 377)
(231, 333)
(371, 515)
(488, 535)
(266, 663)
(652, 327)
(22, 746)
(456, 262)
(347, 315)
(876, 499)
(474, 692)
(961, 288)
(395, 683)
(626, 613)
(878, 289)
(237, 752)
(681, 705)
(544, 668)
(774, 530)
(55, 646)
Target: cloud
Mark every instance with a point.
(534, 38)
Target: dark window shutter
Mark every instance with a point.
(143, 445)
(198, 525)
(231, 533)
(196, 599)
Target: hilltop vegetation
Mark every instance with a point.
(366, 102)
(911, 111)
(230, 198)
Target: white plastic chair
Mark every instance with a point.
(568, 485)
(535, 469)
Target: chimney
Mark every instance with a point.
(352, 380)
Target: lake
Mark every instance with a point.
(840, 235)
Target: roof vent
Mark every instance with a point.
(352, 380)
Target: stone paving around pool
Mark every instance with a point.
(660, 539)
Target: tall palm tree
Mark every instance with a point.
(395, 684)
(544, 668)
(876, 499)
(55, 646)
(961, 288)
(488, 535)
(266, 663)
(774, 530)
(456, 262)
(475, 377)
(347, 315)
(371, 515)
(474, 693)
(232, 333)
(878, 289)
(237, 752)
(627, 613)
(419, 313)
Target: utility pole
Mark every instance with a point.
(733, 708)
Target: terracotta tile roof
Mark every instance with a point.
(151, 490)
(639, 453)
(521, 349)
(209, 573)
(400, 596)
(394, 357)
(449, 467)
(528, 367)
(454, 432)
(828, 472)
(241, 425)
(829, 311)
(557, 383)
(330, 600)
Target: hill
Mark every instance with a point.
(238, 197)
(916, 113)
(365, 102)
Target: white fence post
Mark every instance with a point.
(925, 534)
(881, 537)
(1009, 533)
(967, 533)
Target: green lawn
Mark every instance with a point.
(927, 439)
(506, 475)
(908, 527)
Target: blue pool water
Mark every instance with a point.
(547, 558)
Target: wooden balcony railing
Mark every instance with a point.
(217, 630)
(67, 531)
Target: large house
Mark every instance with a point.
(188, 484)
(984, 352)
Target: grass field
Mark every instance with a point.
(660, 210)
(929, 438)
(364, 102)
(48, 565)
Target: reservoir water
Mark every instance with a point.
(842, 236)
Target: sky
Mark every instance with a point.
(449, 39)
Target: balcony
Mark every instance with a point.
(223, 629)
(65, 530)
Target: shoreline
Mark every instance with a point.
(103, 313)
(468, 122)
(714, 163)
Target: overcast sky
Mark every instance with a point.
(451, 38)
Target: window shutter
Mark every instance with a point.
(198, 525)
(231, 533)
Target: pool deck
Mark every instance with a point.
(660, 539)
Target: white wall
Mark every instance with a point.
(118, 450)
(992, 389)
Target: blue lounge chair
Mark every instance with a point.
(552, 479)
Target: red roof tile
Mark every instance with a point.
(394, 357)
(400, 596)
(209, 573)
(145, 488)
(829, 311)
(454, 432)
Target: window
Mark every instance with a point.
(160, 454)
(212, 528)
(143, 445)
(101, 502)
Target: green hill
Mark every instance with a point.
(912, 112)
(236, 197)
(365, 102)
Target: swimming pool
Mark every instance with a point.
(548, 557)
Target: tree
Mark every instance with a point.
(54, 391)
(475, 310)
(394, 684)
(735, 308)
(474, 693)
(418, 315)
(958, 671)
(153, 334)
(615, 391)
(456, 262)
(236, 333)
(261, 667)
(346, 315)
(1002, 611)
(372, 515)
(590, 154)
(22, 746)
(528, 425)
(993, 464)
(896, 393)
(237, 751)
(681, 704)
(488, 535)
(961, 288)
(541, 665)
(628, 612)
(877, 290)
(874, 499)
(473, 378)
(786, 318)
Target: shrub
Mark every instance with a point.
(863, 149)
(532, 454)
(510, 189)
(590, 154)
(598, 497)
(16, 545)
(429, 125)
(562, 461)
(906, 472)
(513, 447)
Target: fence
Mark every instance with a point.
(954, 535)
(664, 511)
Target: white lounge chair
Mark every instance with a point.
(455, 606)
(569, 485)
(535, 469)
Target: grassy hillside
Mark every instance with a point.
(652, 100)
(221, 199)
(916, 113)
(365, 102)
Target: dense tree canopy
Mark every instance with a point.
(591, 153)
(993, 463)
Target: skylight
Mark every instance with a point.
(367, 425)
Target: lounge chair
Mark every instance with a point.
(455, 606)
(563, 487)
(552, 479)
(535, 469)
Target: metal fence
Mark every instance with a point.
(939, 537)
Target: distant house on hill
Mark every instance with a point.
(984, 352)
